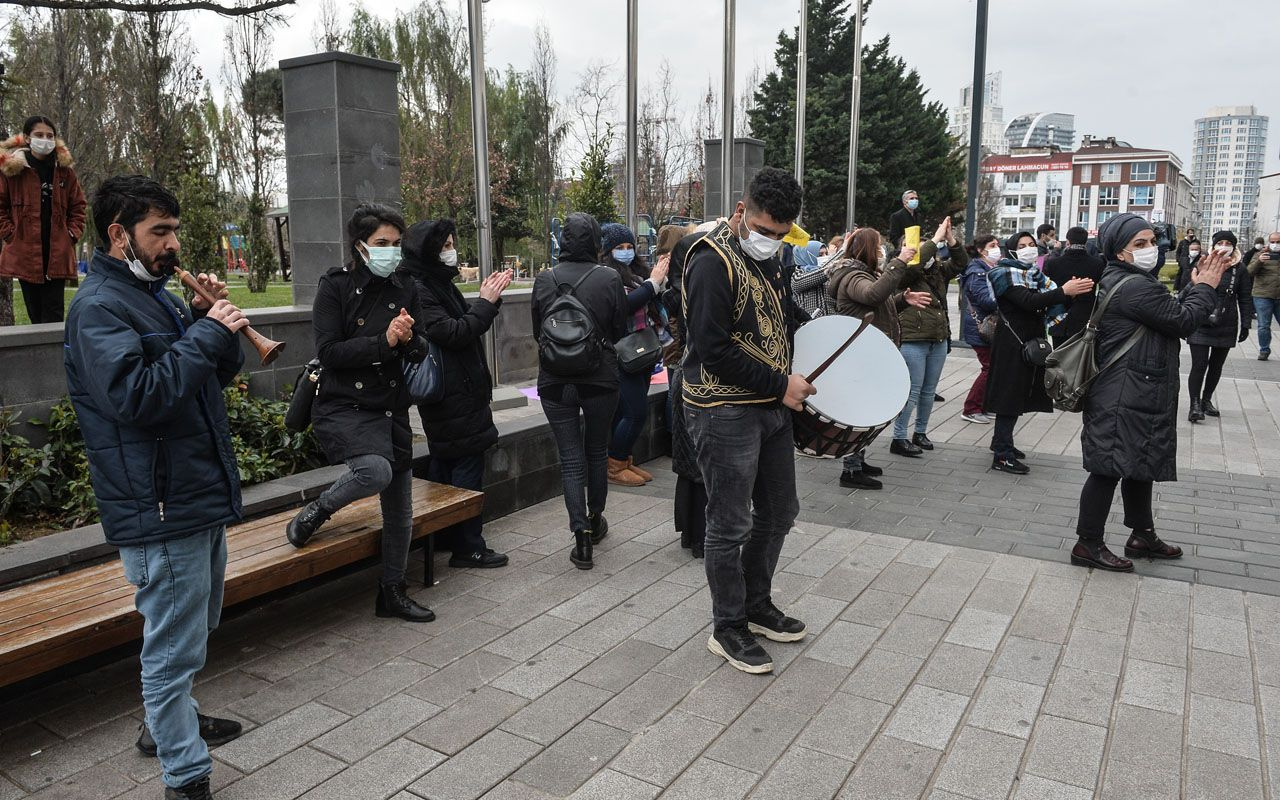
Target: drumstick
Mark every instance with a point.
(817, 373)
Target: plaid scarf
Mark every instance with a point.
(1009, 273)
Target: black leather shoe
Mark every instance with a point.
(922, 441)
(580, 555)
(1010, 465)
(303, 527)
(214, 731)
(480, 559)
(937, 398)
(1016, 452)
(874, 472)
(1096, 555)
(768, 621)
(599, 527)
(1145, 544)
(741, 650)
(196, 790)
(1210, 410)
(1196, 413)
(1263, 355)
(903, 447)
(394, 601)
(859, 480)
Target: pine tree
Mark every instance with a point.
(593, 193)
(903, 141)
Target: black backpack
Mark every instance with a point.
(568, 345)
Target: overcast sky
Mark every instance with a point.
(1139, 70)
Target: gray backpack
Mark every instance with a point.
(1072, 367)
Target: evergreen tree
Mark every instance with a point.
(593, 193)
(903, 141)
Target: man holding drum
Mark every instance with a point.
(737, 381)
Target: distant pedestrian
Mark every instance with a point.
(1264, 271)
(907, 216)
(980, 310)
(1047, 240)
(42, 215)
(809, 281)
(1225, 327)
(1130, 432)
(1189, 253)
(1074, 262)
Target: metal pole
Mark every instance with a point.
(726, 139)
(633, 52)
(854, 113)
(975, 122)
(802, 79)
(480, 150)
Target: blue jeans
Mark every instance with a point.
(465, 473)
(179, 595)
(747, 459)
(631, 415)
(924, 362)
(1265, 308)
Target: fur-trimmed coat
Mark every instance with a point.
(20, 214)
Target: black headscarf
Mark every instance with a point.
(1116, 233)
(420, 249)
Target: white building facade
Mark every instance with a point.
(1266, 217)
(1032, 184)
(1042, 129)
(993, 140)
(1110, 178)
(1227, 154)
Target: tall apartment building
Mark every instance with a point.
(1266, 218)
(1041, 129)
(1227, 155)
(993, 140)
(1111, 177)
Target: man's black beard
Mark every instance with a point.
(162, 265)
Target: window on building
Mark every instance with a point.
(1083, 220)
(1143, 171)
(1011, 203)
(1103, 216)
(1008, 226)
(1142, 195)
(1110, 173)
(1085, 192)
(1027, 204)
(1086, 173)
(1108, 196)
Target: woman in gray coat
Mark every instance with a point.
(1130, 416)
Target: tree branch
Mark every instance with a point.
(154, 5)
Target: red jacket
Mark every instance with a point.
(20, 214)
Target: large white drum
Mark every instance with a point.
(859, 394)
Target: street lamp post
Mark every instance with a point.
(802, 79)
(726, 139)
(480, 149)
(854, 112)
(975, 118)
(633, 50)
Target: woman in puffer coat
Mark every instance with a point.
(1130, 432)
(979, 304)
(859, 286)
(1226, 326)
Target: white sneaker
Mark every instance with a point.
(980, 418)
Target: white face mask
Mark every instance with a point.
(43, 147)
(1274, 247)
(1225, 249)
(449, 257)
(1146, 258)
(1193, 254)
(758, 246)
(1028, 255)
(993, 254)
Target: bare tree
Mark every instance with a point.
(550, 130)
(155, 6)
(594, 107)
(329, 32)
(745, 102)
(665, 149)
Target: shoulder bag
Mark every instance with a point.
(1071, 369)
(425, 379)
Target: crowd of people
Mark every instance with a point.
(719, 307)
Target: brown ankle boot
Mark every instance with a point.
(1145, 544)
(643, 473)
(620, 475)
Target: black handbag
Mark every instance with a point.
(639, 352)
(1034, 351)
(298, 417)
(425, 380)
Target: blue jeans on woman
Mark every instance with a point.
(632, 413)
(924, 362)
(1265, 308)
(179, 595)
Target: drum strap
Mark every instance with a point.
(817, 373)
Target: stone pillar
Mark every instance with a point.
(342, 148)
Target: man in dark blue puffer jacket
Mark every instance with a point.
(145, 375)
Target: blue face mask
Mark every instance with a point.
(382, 261)
(913, 204)
(624, 255)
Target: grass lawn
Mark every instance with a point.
(277, 294)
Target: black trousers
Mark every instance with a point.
(1095, 505)
(1002, 436)
(44, 301)
(1206, 370)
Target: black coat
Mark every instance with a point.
(899, 221)
(1131, 412)
(1015, 386)
(1235, 310)
(362, 406)
(1075, 263)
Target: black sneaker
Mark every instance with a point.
(1010, 465)
(1263, 355)
(904, 447)
(1016, 452)
(196, 790)
(480, 559)
(741, 650)
(214, 731)
(874, 472)
(305, 524)
(767, 621)
(859, 480)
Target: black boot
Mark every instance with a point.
(599, 527)
(196, 790)
(394, 601)
(1209, 409)
(1145, 544)
(214, 731)
(580, 555)
(303, 527)
(904, 447)
(1196, 413)
(922, 441)
(859, 480)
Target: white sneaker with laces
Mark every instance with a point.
(980, 418)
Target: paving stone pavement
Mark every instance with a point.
(930, 671)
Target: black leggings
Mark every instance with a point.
(1206, 369)
(1095, 505)
(45, 301)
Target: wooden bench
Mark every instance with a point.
(57, 620)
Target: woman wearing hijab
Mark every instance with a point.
(979, 304)
(459, 426)
(1028, 302)
(809, 281)
(1226, 326)
(1130, 433)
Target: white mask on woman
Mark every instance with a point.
(993, 254)
(449, 257)
(1027, 255)
(43, 147)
